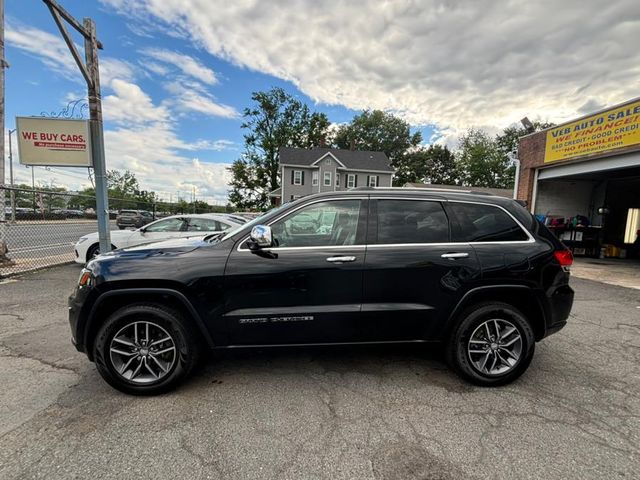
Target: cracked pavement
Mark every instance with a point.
(348, 412)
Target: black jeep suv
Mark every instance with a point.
(474, 272)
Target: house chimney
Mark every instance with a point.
(353, 144)
(323, 142)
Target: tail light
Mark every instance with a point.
(564, 257)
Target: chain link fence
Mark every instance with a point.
(42, 226)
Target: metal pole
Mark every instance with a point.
(97, 137)
(4, 260)
(33, 188)
(12, 193)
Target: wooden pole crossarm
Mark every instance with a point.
(53, 6)
(70, 44)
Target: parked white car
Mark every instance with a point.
(176, 226)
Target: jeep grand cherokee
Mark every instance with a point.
(474, 272)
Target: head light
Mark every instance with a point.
(83, 239)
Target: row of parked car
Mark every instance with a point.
(137, 227)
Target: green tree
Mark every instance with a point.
(276, 119)
(507, 141)
(481, 163)
(435, 164)
(379, 131)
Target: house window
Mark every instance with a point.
(297, 177)
(337, 179)
(327, 179)
(373, 181)
(351, 180)
(327, 161)
(314, 178)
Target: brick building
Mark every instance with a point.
(583, 177)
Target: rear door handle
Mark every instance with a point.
(341, 259)
(453, 256)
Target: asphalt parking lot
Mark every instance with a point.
(387, 413)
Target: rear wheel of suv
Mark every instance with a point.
(145, 349)
(492, 344)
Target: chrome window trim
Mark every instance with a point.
(397, 245)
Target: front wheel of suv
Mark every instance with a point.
(491, 345)
(145, 349)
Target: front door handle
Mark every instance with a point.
(453, 256)
(341, 259)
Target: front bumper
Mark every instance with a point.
(78, 304)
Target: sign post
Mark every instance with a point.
(89, 70)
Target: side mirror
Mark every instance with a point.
(260, 237)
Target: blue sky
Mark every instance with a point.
(176, 74)
(33, 85)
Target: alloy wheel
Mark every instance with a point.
(495, 347)
(142, 352)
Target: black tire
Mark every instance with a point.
(458, 357)
(188, 349)
(93, 249)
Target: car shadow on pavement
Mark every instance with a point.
(423, 361)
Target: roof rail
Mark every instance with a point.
(425, 189)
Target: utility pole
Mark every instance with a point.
(91, 74)
(5, 261)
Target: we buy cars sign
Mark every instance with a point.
(53, 142)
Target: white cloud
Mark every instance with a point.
(145, 141)
(51, 50)
(448, 63)
(186, 64)
(145, 138)
(190, 96)
(130, 105)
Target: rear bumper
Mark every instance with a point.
(560, 301)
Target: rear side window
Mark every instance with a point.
(483, 223)
(203, 225)
(411, 221)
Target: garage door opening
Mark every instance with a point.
(596, 214)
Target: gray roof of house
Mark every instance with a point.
(352, 159)
(500, 192)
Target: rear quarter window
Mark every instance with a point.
(483, 223)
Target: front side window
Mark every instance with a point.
(483, 223)
(327, 179)
(320, 224)
(297, 177)
(168, 225)
(411, 221)
(314, 178)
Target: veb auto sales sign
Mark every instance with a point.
(53, 142)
